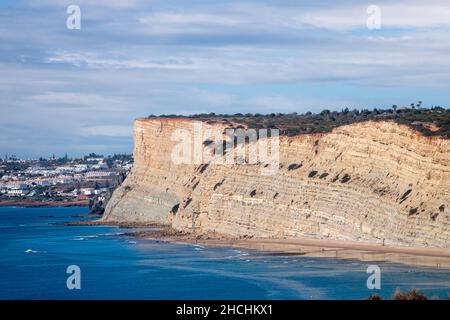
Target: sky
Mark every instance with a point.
(78, 91)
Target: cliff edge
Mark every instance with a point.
(365, 181)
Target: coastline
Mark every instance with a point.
(42, 204)
(324, 248)
(308, 247)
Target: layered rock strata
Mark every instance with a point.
(366, 181)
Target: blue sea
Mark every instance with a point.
(35, 254)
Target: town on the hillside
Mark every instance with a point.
(63, 181)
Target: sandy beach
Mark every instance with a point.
(325, 248)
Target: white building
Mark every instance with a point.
(100, 166)
(127, 166)
(16, 185)
(100, 191)
(17, 192)
(99, 174)
(65, 169)
(81, 167)
(87, 191)
(62, 180)
(42, 182)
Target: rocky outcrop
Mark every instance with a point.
(366, 181)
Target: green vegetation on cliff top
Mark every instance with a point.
(430, 122)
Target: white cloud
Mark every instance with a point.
(108, 131)
(394, 14)
(89, 100)
(78, 59)
(250, 17)
(187, 18)
(278, 102)
(118, 4)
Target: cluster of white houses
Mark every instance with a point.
(14, 188)
(64, 170)
(20, 186)
(26, 182)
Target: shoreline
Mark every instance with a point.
(308, 247)
(42, 204)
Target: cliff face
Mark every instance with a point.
(370, 181)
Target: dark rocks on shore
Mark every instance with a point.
(98, 204)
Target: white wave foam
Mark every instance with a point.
(111, 234)
(34, 251)
(238, 256)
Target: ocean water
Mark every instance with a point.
(35, 254)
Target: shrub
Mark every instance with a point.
(323, 175)
(412, 294)
(187, 202)
(218, 184)
(405, 195)
(295, 124)
(207, 142)
(203, 167)
(294, 166)
(175, 208)
(312, 174)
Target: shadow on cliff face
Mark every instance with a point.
(97, 205)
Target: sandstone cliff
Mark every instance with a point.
(366, 181)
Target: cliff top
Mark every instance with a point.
(429, 122)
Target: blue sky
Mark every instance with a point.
(78, 91)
